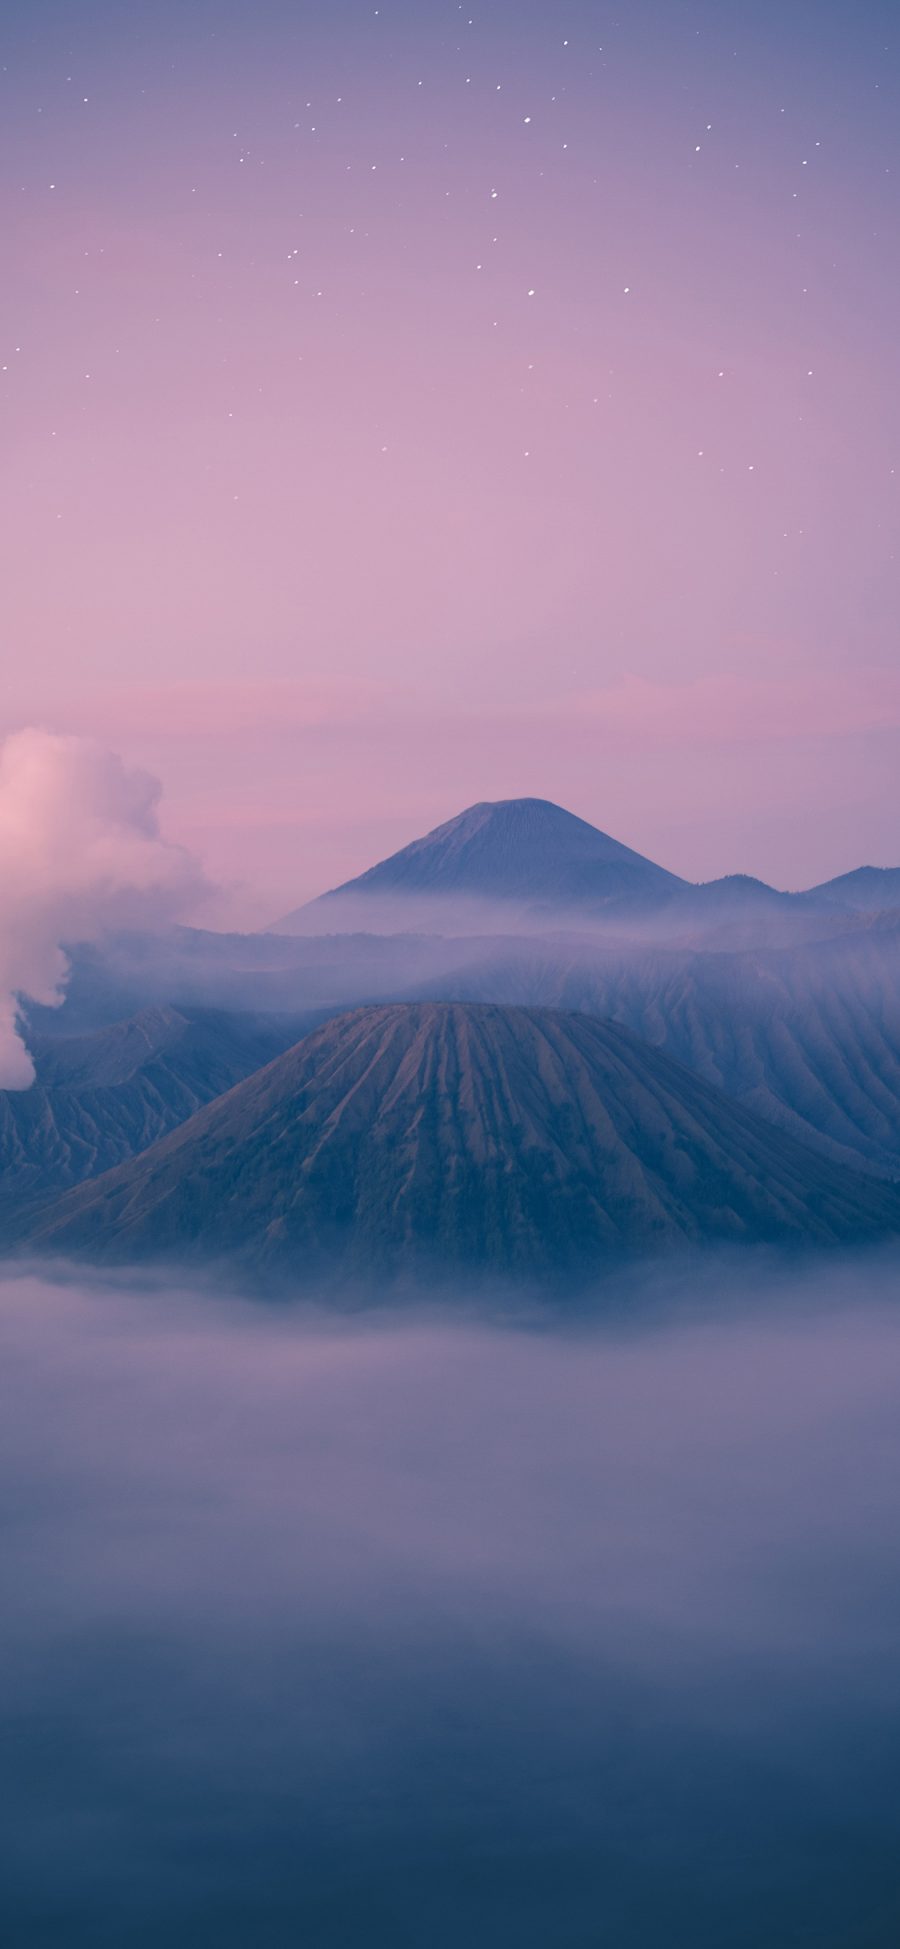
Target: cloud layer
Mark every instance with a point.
(393, 1632)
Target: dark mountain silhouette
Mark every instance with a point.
(102, 1097)
(499, 1139)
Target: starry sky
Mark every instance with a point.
(414, 404)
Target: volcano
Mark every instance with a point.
(498, 1139)
(523, 854)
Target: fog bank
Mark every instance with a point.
(416, 1632)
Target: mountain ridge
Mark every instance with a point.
(103, 1096)
(537, 860)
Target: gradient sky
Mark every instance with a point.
(409, 405)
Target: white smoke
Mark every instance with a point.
(80, 851)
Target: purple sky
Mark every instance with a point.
(408, 406)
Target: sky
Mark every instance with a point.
(409, 405)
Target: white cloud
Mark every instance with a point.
(80, 851)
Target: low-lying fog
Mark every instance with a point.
(413, 1633)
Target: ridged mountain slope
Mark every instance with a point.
(809, 1038)
(103, 1097)
(484, 1137)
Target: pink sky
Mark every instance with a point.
(309, 504)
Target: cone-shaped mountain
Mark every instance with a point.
(488, 1137)
(520, 850)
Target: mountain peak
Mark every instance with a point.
(526, 852)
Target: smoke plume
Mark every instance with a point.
(80, 851)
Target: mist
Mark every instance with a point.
(421, 1629)
(725, 915)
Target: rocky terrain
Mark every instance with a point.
(103, 1097)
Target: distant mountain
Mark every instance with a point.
(739, 892)
(102, 1097)
(487, 1139)
(867, 890)
(523, 853)
(526, 863)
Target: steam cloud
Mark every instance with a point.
(80, 851)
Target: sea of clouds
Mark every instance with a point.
(405, 1630)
